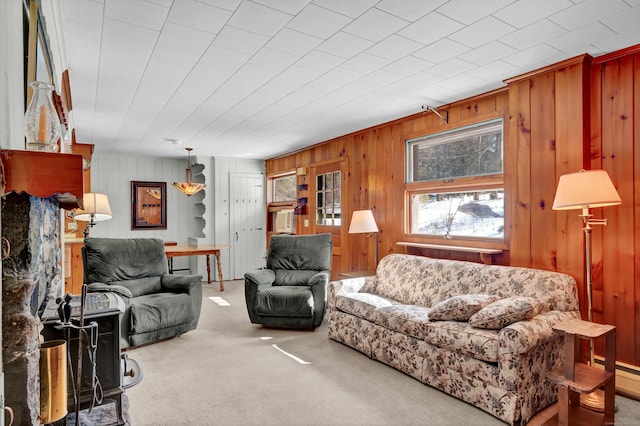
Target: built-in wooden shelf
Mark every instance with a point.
(486, 254)
(44, 174)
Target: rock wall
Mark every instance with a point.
(31, 275)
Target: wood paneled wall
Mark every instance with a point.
(376, 174)
(579, 113)
(615, 142)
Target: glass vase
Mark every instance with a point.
(41, 122)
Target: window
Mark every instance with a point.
(328, 199)
(283, 188)
(455, 183)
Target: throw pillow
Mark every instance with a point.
(503, 312)
(460, 308)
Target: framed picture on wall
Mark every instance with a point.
(148, 205)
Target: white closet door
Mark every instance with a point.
(248, 215)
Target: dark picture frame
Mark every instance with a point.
(148, 205)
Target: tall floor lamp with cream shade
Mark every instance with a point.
(583, 190)
(96, 209)
(363, 222)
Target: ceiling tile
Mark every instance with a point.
(394, 47)
(535, 57)
(525, 12)
(222, 4)
(319, 22)
(467, 12)
(430, 28)
(365, 63)
(240, 40)
(293, 42)
(625, 23)
(352, 8)
(273, 59)
(533, 34)
(489, 52)
(375, 25)
(587, 12)
(129, 34)
(410, 10)
(185, 37)
(451, 67)
(408, 65)
(344, 45)
(136, 12)
(82, 11)
(574, 43)
(442, 50)
(321, 61)
(198, 15)
(481, 32)
(292, 7)
(492, 69)
(259, 19)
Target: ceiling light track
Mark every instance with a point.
(444, 117)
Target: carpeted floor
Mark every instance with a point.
(230, 372)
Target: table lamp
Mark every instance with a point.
(96, 209)
(363, 222)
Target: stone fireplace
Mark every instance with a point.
(31, 275)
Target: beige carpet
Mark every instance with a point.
(228, 372)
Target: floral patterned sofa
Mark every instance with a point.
(481, 333)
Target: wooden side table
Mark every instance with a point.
(577, 378)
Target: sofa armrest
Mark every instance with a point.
(522, 336)
(260, 277)
(349, 285)
(180, 283)
(103, 288)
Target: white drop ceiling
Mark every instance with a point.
(259, 78)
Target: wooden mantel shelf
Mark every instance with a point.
(44, 174)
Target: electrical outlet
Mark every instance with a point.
(306, 223)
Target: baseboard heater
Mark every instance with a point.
(627, 378)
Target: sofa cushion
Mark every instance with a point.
(285, 301)
(160, 310)
(406, 319)
(361, 304)
(460, 308)
(506, 311)
(465, 339)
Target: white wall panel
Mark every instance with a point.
(112, 175)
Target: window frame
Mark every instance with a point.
(495, 181)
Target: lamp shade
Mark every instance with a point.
(96, 208)
(363, 222)
(585, 189)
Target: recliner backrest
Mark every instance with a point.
(295, 258)
(113, 260)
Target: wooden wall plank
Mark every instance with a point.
(518, 172)
(617, 241)
(543, 140)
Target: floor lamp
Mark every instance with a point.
(583, 190)
(363, 222)
(96, 209)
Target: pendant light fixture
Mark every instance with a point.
(189, 187)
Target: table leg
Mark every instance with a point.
(217, 255)
(208, 270)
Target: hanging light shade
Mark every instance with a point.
(189, 187)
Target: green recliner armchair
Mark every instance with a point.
(157, 305)
(292, 291)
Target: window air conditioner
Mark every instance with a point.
(284, 221)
